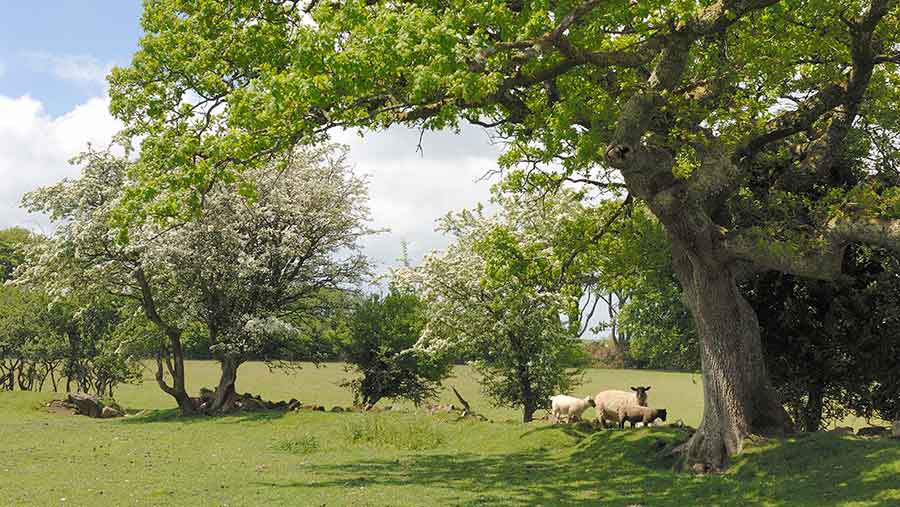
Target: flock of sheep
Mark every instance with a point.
(615, 406)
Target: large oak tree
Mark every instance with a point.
(688, 103)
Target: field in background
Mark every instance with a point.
(680, 393)
(406, 459)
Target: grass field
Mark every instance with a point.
(407, 458)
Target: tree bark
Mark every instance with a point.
(225, 392)
(528, 410)
(529, 403)
(738, 398)
(812, 411)
(176, 364)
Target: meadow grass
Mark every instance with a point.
(680, 393)
(407, 458)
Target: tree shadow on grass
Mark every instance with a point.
(622, 468)
(172, 415)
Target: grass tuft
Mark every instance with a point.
(407, 434)
(307, 444)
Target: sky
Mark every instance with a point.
(54, 57)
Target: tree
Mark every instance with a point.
(653, 326)
(252, 273)
(832, 347)
(505, 295)
(679, 101)
(12, 241)
(246, 271)
(383, 332)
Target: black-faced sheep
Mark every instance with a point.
(635, 414)
(608, 402)
(569, 406)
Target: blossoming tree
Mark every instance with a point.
(249, 267)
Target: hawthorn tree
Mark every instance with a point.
(712, 114)
(86, 257)
(505, 295)
(249, 268)
(254, 272)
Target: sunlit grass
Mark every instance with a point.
(408, 458)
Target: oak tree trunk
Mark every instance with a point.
(738, 398)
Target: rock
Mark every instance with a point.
(61, 407)
(895, 429)
(86, 404)
(872, 431)
(698, 468)
(110, 412)
(337, 409)
(292, 405)
(842, 430)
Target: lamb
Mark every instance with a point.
(635, 414)
(608, 402)
(569, 406)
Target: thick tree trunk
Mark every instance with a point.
(225, 392)
(738, 397)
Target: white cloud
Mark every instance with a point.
(35, 149)
(84, 69)
(409, 191)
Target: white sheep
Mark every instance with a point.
(569, 406)
(638, 414)
(609, 402)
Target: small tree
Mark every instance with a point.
(252, 271)
(505, 294)
(382, 335)
(248, 268)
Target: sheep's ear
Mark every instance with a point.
(634, 388)
(647, 388)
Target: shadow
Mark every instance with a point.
(578, 431)
(173, 416)
(616, 467)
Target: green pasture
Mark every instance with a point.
(680, 393)
(407, 458)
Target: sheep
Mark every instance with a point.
(635, 414)
(608, 402)
(569, 406)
